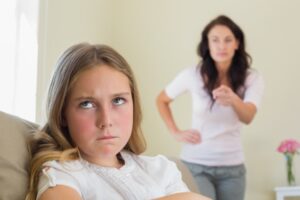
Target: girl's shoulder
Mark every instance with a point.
(153, 163)
(67, 166)
(155, 160)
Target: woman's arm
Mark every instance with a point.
(184, 196)
(189, 136)
(60, 192)
(162, 103)
(244, 110)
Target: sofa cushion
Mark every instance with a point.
(14, 156)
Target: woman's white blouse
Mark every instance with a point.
(219, 125)
(140, 178)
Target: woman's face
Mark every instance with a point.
(222, 44)
(99, 114)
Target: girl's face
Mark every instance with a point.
(222, 44)
(99, 114)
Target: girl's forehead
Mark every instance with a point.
(100, 70)
(103, 78)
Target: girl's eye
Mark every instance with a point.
(86, 104)
(118, 101)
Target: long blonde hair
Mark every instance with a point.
(53, 142)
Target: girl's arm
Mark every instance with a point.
(60, 192)
(184, 196)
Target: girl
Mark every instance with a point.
(89, 148)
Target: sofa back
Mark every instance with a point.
(14, 156)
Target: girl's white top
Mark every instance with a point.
(140, 178)
(218, 125)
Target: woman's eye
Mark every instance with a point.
(86, 104)
(118, 101)
(228, 40)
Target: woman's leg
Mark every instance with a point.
(203, 179)
(231, 182)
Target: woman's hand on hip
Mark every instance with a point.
(191, 136)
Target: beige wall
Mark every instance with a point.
(62, 24)
(159, 38)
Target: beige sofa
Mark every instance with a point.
(14, 157)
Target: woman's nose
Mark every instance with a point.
(222, 45)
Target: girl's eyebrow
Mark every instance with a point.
(121, 94)
(80, 98)
(84, 98)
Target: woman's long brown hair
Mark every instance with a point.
(240, 63)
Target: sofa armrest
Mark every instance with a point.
(186, 174)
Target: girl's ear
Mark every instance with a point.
(64, 122)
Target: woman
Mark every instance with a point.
(89, 148)
(225, 94)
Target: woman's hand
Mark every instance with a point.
(224, 95)
(191, 136)
(188, 136)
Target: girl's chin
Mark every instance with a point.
(103, 152)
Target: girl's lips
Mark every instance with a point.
(106, 138)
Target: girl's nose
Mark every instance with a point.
(104, 118)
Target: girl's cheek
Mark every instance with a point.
(127, 120)
(83, 125)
